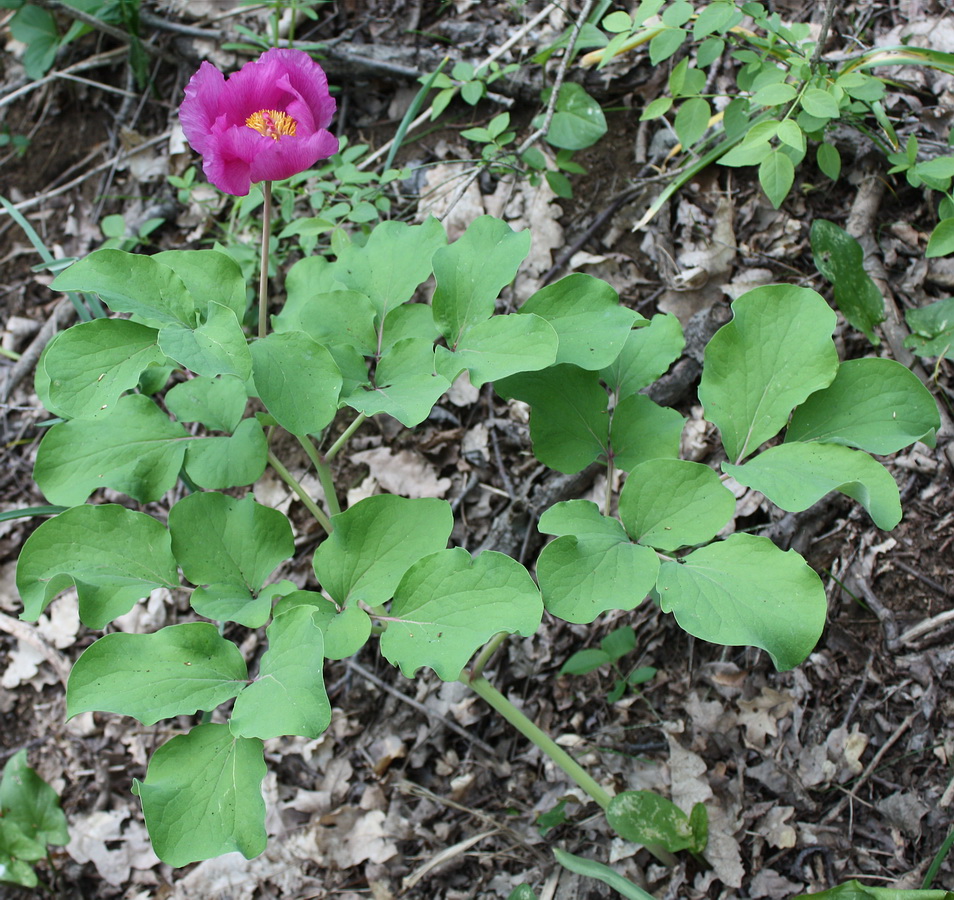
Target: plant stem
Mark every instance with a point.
(490, 648)
(540, 738)
(345, 437)
(263, 274)
(292, 482)
(935, 866)
(324, 474)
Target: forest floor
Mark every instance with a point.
(839, 769)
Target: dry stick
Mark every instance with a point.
(860, 225)
(503, 48)
(823, 33)
(94, 62)
(548, 117)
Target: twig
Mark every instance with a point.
(63, 314)
(930, 582)
(94, 62)
(927, 626)
(823, 33)
(420, 707)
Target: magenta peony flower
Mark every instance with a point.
(266, 123)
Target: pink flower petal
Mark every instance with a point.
(200, 108)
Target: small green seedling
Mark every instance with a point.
(612, 648)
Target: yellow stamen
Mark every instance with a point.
(272, 123)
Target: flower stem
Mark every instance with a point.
(490, 648)
(324, 474)
(335, 448)
(263, 273)
(540, 738)
(292, 482)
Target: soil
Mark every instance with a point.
(838, 769)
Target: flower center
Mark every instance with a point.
(272, 123)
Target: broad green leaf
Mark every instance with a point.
(412, 320)
(112, 555)
(568, 418)
(218, 539)
(789, 133)
(202, 796)
(132, 283)
(581, 518)
(36, 29)
(345, 631)
(582, 576)
(375, 542)
(839, 257)
(795, 476)
(585, 661)
(876, 405)
(672, 503)
(522, 892)
(820, 104)
(932, 329)
(587, 316)
(774, 94)
(471, 272)
(91, 364)
(642, 430)
(217, 403)
(718, 16)
(17, 851)
(28, 802)
(217, 346)
(449, 604)
(692, 120)
(228, 602)
(234, 461)
(407, 383)
(776, 175)
(677, 13)
(172, 672)
(776, 351)
(645, 817)
(578, 121)
(658, 107)
(646, 355)
(288, 696)
(829, 160)
(297, 380)
(745, 591)
(665, 43)
(501, 346)
(941, 242)
(135, 449)
(336, 317)
(750, 152)
(210, 276)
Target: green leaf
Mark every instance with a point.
(829, 160)
(592, 869)
(587, 316)
(775, 94)
(394, 261)
(172, 672)
(202, 796)
(218, 539)
(112, 555)
(217, 346)
(745, 591)
(585, 661)
(135, 449)
(210, 276)
(789, 133)
(471, 272)
(617, 22)
(218, 403)
(774, 353)
(132, 283)
(941, 242)
(288, 697)
(776, 175)
(578, 121)
(876, 405)
(820, 104)
(692, 120)
(644, 817)
(933, 329)
(839, 257)
(229, 602)
(36, 29)
(407, 383)
(642, 430)
(671, 503)
(795, 476)
(448, 604)
(333, 317)
(646, 355)
(17, 850)
(91, 364)
(501, 346)
(568, 420)
(223, 462)
(345, 632)
(297, 380)
(665, 44)
(658, 107)
(375, 542)
(522, 891)
(28, 802)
